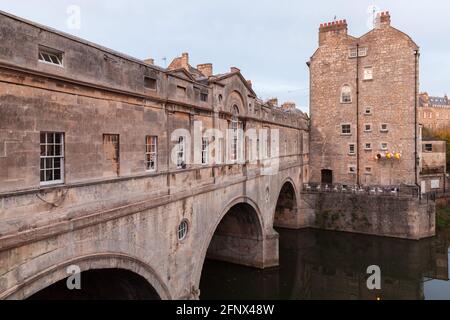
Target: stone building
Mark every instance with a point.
(73, 112)
(108, 162)
(433, 165)
(434, 112)
(363, 101)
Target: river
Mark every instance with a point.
(320, 265)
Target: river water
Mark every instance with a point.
(318, 265)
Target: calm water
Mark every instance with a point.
(327, 265)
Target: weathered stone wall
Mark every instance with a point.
(390, 95)
(390, 216)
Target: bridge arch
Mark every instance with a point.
(286, 208)
(249, 234)
(102, 261)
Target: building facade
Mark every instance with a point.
(434, 112)
(433, 165)
(363, 100)
(72, 112)
(110, 162)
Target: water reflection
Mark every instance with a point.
(326, 265)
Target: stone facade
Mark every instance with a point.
(89, 170)
(433, 165)
(434, 112)
(363, 97)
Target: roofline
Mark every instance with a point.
(239, 74)
(82, 41)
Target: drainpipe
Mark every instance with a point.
(357, 117)
(416, 155)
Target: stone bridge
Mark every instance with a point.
(230, 220)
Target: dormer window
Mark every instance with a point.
(50, 56)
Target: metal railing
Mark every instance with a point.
(392, 191)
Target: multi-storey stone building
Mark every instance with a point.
(363, 100)
(434, 112)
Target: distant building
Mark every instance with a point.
(434, 112)
(363, 100)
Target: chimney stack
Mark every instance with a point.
(273, 102)
(185, 60)
(331, 30)
(288, 106)
(150, 61)
(206, 69)
(234, 69)
(383, 19)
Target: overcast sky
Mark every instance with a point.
(270, 41)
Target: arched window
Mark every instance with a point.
(346, 94)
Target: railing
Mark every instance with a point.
(392, 191)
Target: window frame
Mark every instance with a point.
(181, 152)
(51, 53)
(384, 130)
(368, 148)
(367, 68)
(426, 149)
(350, 94)
(367, 130)
(149, 154)
(61, 158)
(342, 129)
(352, 169)
(350, 145)
(205, 151)
(154, 80)
(384, 149)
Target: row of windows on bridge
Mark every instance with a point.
(52, 154)
(56, 58)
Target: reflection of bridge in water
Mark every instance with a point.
(327, 265)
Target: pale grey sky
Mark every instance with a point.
(270, 41)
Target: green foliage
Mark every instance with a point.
(443, 216)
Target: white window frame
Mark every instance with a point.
(181, 152)
(368, 73)
(52, 157)
(349, 92)
(350, 145)
(151, 153)
(205, 151)
(183, 230)
(370, 109)
(382, 148)
(352, 169)
(367, 129)
(384, 130)
(366, 148)
(342, 129)
(56, 57)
